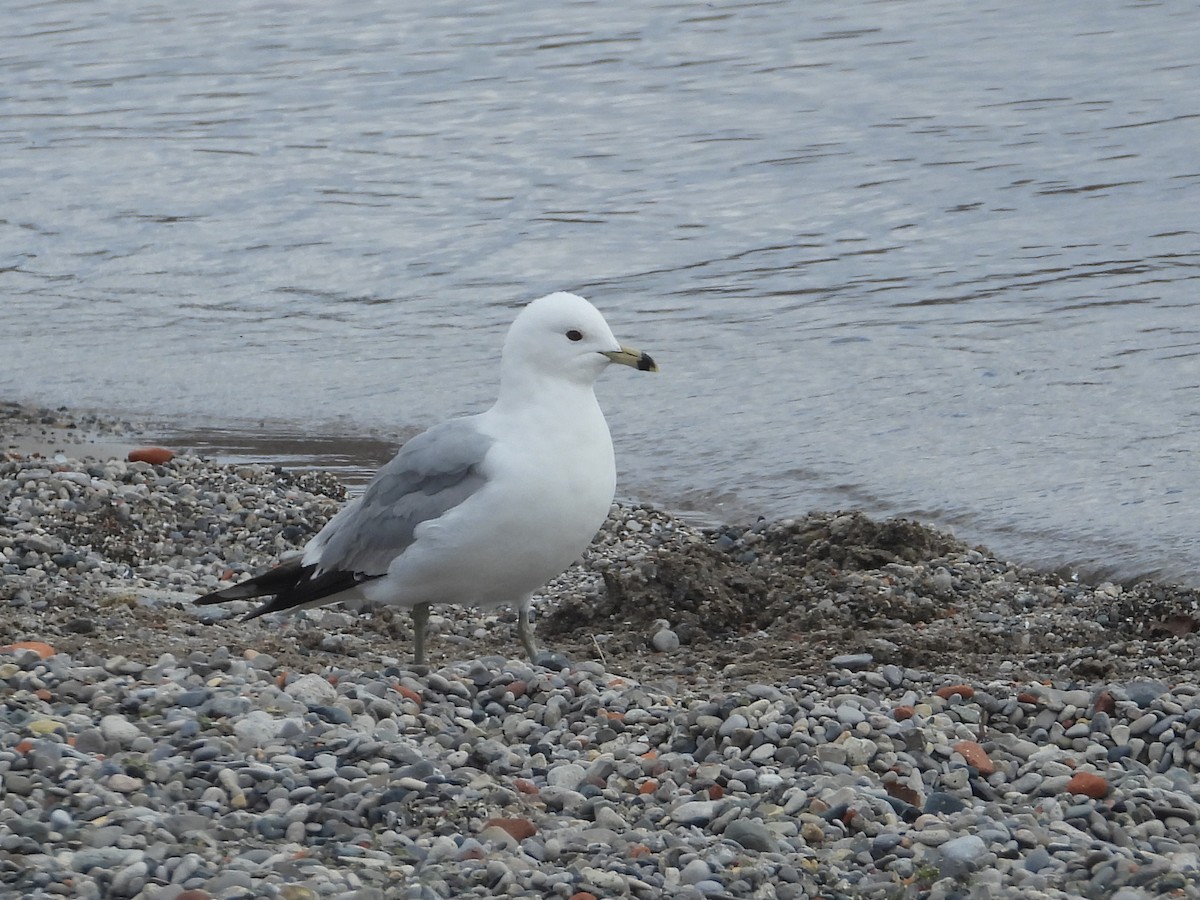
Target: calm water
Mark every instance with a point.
(918, 258)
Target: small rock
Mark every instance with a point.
(750, 834)
(942, 803)
(695, 812)
(257, 728)
(665, 641)
(696, 870)
(312, 689)
(854, 662)
(119, 729)
(1144, 692)
(975, 756)
(124, 784)
(41, 648)
(156, 456)
(518, 828)
(1088, 784)
(956, 690)
(962, 855)
(567, 776)
(859, 751)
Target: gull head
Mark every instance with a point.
(563, 336)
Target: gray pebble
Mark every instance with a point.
(750, 834)
(962, 855)
(695, 812)
(665, 641)
(696, 870)
(853, 661)
(118, 729)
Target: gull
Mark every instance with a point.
(480, 510)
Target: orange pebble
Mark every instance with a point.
(41, 648)
(976, 756)
(408, 693)
(961, 690)
(903, 792)
(1088, 784)
(902, 713)
(156, 456)
(518, 828)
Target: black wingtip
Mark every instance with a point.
(280, 579)
(224, 595)
(287, 586)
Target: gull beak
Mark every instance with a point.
(627, 356)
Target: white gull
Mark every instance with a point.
(481, 510)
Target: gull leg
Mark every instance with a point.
(420, 617)
(525, 629)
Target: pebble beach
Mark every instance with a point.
(821, 707)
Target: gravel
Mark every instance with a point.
(830, 706)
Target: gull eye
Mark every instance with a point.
(574, 335)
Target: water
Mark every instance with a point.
(936, 259)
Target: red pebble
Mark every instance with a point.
(975, 756)
(518, 828)
(41, 648)
(1105, 702)
(1088, 784)
(408, 693)
(903, 713)
(156, 456)
(961, 690)
(903, 792)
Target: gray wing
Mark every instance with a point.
(433, 473)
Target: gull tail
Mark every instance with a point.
(289, 585)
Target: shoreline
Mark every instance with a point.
(29, 430)
(354, 457)
(826, 706)
(703, 579)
